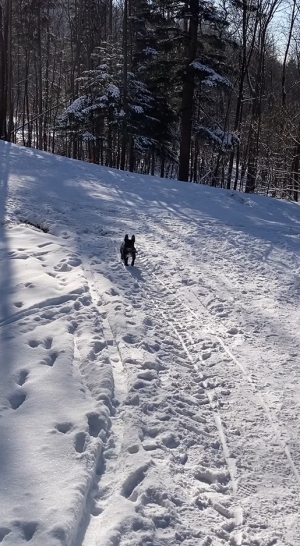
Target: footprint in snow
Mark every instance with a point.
(96, 423)
(133, 449)
(49, 360)
(130, 339)
(3, 532)
(64, 427)
(79, 442)
(33, 343)
(233, 331)
(75, 261)
(72, 327)
(22, 376)
(206, 355)
(63, 267)
(51, 274)
(16, 399)
(28, 529)
(132, 481)
(99, 346)
(48, 343)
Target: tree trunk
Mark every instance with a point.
(9, 71)
(2, 76)
(125, 80)
(188, 87)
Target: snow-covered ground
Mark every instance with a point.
(150, 406)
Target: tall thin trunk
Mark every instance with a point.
(188, 87)
(125, 84)
(2, 75)
(39, 81)
(9, 71)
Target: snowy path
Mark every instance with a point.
(148, 406)
(198, 409)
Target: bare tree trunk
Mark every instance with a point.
(2, 75)
(125, 82)
(254, 134)
(39, 94)
(188, 87)
(9, 71)
(247, 52)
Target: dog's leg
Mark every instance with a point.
(125, 260)
(133, 258)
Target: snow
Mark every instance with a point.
(154, 405)
(88, 136)
(217, 136)
(113, 91)
(212, 78)
(137, 109)
(150, 51)
(76, 107)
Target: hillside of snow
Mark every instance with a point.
(155, 405)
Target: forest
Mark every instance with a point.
(201, 91)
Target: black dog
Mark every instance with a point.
(127, 248)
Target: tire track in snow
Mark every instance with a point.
(176, 325)
(246, 376)
(227, 351)
(212, 480)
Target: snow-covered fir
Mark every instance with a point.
(157, 405)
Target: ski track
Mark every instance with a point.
(249, 379)
(217, 475)
(211, 478)
(216, 490)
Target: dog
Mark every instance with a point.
(127, 249)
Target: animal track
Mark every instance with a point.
(3, 532)
(99, 346)
(130, 339)
(210, 476)
(18, 304)
(206, 355)
(79, 443)
(22, 376)
(72, 327)
(64, 427)
(48, 343)
(28, 529)
(33, 343)
(49, 360)
(96, 424)
(133, 481)
(133, 449)
(63, 267)
(16, 399)
(233, 331)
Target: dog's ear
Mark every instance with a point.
(126, 237)
(133, 238)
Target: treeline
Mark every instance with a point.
(197, 90)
